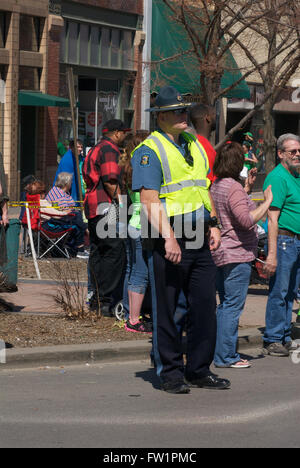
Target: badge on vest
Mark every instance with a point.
(144, 161)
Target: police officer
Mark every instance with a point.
(169, 170)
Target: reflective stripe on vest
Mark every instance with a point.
(164, 158)
(185, 183)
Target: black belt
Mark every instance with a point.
(285, 232)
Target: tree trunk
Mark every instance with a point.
(269, 136)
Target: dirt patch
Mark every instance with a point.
(24, 330)
(28, 331)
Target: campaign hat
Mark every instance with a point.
(168, 98)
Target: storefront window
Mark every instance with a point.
(4, 19)
(84, 44)
(30, 33)
(95, 40)
(92, 45)
(127, 49)
(115, 47)
(73, 42)
(105, 46)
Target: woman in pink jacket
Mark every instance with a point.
(238, 216)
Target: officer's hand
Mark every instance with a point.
(214, 238)
(173, 251)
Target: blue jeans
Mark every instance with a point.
(232, 284)
(136, 278)
(282, 291)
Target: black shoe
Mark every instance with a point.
(175, 386)
(103, 308)
(8, 287)
(210, 382)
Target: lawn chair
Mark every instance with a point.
(50, 239)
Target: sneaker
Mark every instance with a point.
(242, 364)
(139, 327)
(84, 254)
(276, 349)
(291, 345)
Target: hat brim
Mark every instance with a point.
(169, 108)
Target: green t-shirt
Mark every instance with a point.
(286, 197)
(248, 164)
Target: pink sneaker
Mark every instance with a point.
(139, 327)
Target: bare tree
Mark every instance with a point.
(265, 34)
(278, 35)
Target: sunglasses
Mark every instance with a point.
(293, 152)
(179, 111)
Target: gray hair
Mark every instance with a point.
(283, 138)
(63, 179)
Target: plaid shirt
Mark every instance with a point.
(100, 166)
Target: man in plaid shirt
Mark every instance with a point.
(101, 174)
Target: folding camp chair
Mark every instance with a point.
(51, 239)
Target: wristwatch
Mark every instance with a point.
(213, 222)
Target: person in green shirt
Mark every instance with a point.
(250, 158)
(283, 259)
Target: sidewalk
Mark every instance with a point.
(34, 297)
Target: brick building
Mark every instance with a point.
(102, 41)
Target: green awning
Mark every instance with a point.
(168, 40)
(35, 98)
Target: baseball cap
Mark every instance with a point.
(115, 125)
(249, 135)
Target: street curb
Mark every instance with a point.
(105, 352)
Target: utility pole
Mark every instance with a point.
(73, 107)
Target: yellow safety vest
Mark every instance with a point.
(185, 187)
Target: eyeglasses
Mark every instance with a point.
(179, 111)
(293, 152)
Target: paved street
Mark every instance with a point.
(119, 405)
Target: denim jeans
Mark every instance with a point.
(136, 278)
(282, 291)
(232, 284)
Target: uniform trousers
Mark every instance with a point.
(196, 276)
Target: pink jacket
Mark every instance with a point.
(239, 232)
